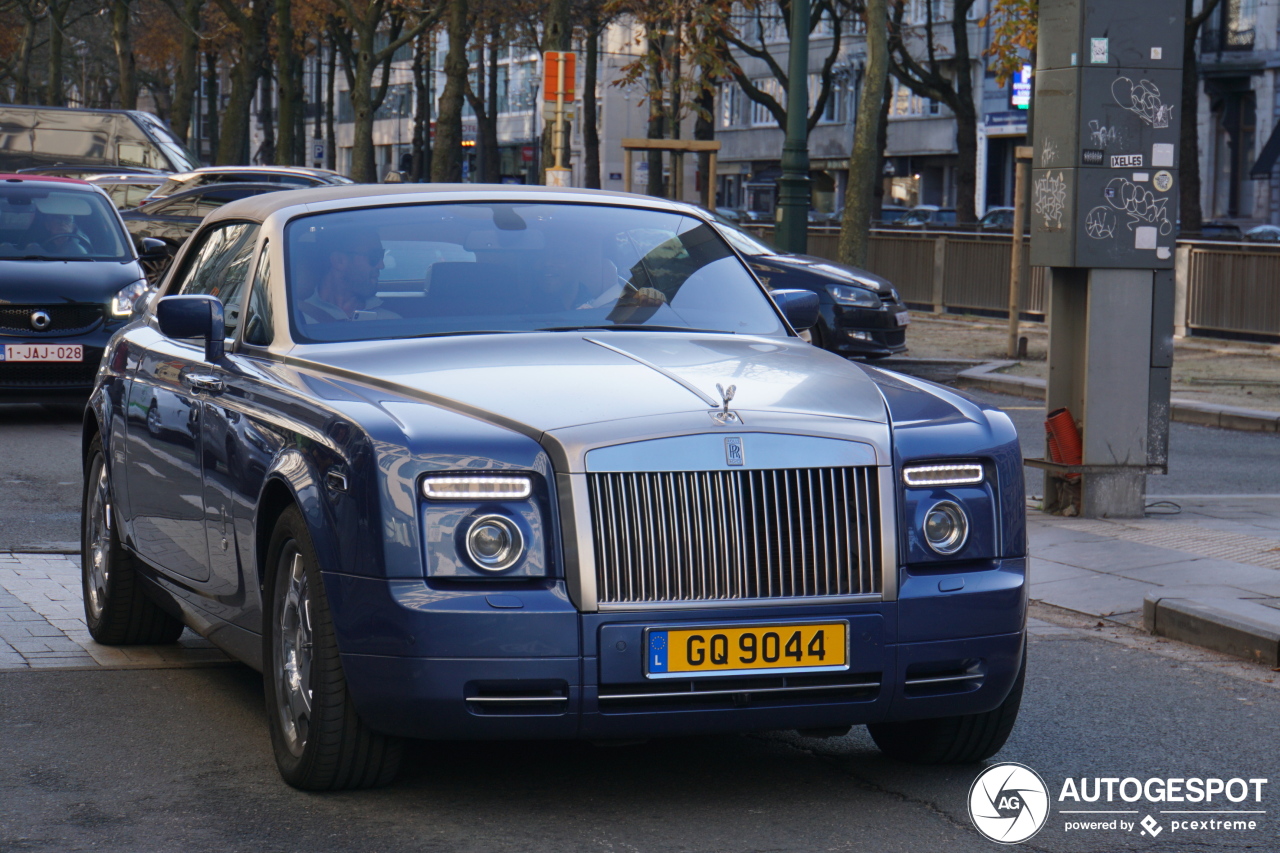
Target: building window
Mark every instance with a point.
(731, 99)
(1233, 29)
(760, 114)
(906, 103)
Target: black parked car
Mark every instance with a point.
(861, 314)
(291, 177)
(174, 218)
(69, 278)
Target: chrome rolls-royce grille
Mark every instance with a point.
(731, 535)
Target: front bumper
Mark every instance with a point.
(864, 331)
(44, 381)
(488, 663)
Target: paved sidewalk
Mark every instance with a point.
(1208, 574)
(42, 623)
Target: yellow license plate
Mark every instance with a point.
(746, 648)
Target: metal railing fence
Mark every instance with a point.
(1223, 289)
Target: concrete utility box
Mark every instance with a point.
(1107, 123)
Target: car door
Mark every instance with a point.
(165, 451)
(241, 437)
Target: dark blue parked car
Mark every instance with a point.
(516, 462)
(69, 278)
(860, 314)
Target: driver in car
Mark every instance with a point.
(57, 233)
(352, 259)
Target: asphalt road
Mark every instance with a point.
(169, 760)
(40, 478)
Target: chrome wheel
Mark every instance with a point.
(98, 569)
(294, 651)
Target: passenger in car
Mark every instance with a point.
(351, 260)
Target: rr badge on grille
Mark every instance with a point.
(733, 450)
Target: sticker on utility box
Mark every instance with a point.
(1098, 50)
(1163, 181)
(1126, 161)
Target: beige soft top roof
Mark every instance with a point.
(259, 207)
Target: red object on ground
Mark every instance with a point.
(1064, 439)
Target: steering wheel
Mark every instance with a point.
(67, 241)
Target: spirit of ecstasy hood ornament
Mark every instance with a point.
(724, 416)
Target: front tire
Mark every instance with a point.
(116, 610)
(319, 740)
(964, 739)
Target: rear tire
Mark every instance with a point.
(320, 742)
(964, 739)
(116, 609)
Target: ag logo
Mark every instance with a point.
(1008, 803)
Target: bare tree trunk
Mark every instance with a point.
(704, 128)
(446, 157)
(855, 229)
(233, 144)
(1189, 210)
(330, 107)
(213, 129)
(287, 84)
(590, 75)
(966, 124)
(123, 43)
(25, 47)
(55, 92)
(267, 153)
(492, 154)
(187, 79)
(422, 114)
(657, 118)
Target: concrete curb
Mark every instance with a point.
(1235, 626)
(987, 377)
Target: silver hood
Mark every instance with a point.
(543, 382)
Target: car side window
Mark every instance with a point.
(177, 207)
(257, 318)
(220, 267)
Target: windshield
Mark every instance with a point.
(743, 241)
(39, 220)
(180, 157)
(420, 270)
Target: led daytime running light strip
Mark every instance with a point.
(477, 488)
(943, 475)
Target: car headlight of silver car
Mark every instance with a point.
(124, 302)
(845, 294)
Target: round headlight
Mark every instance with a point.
(494, 542)
(946, 527)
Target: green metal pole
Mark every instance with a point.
(792, 230)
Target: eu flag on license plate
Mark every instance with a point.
(657, 651)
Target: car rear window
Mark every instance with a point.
(418, 270)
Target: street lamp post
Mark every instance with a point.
(792, 230)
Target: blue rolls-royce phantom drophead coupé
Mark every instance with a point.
(461, 462)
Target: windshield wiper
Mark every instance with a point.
(632, 327)
(470, 332)
(44, 258)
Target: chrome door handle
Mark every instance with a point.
(206, 382)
